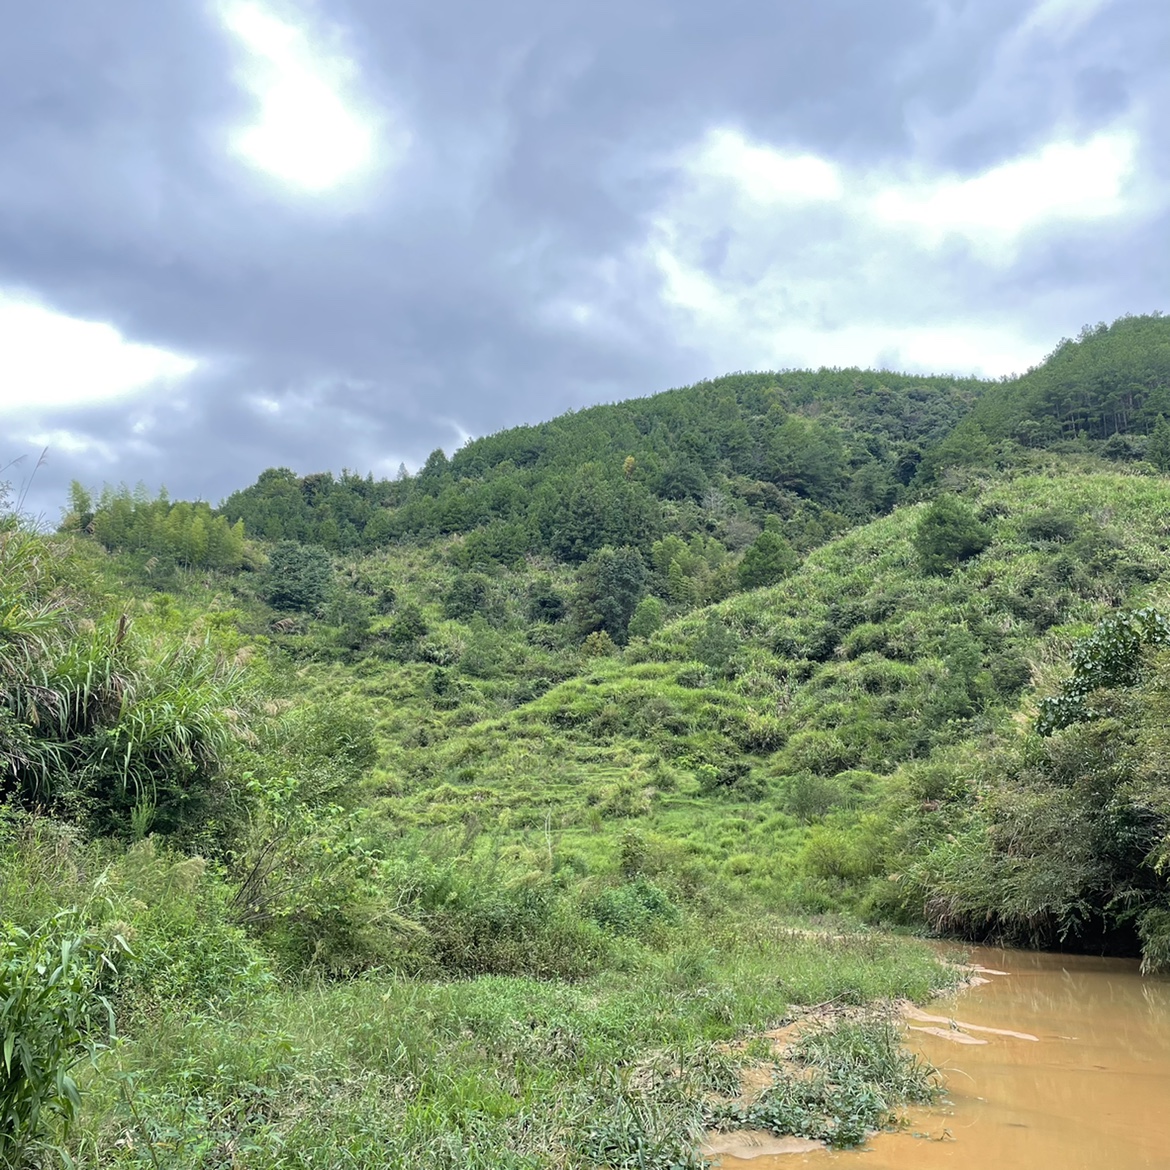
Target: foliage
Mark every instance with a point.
(714, 458)
(528, 779)
(127, 732)
(647, 618)
(767, 561)
(164, 532)
(1111, 656)
(298, 577)
(859, 1071)
(50, 1010)
(948, 534)
(610, 588)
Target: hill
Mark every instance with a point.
(469, 815)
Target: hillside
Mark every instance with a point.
(815, 449)
(468, 816)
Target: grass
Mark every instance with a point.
(486, 1072)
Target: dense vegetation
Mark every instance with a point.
(468, 818)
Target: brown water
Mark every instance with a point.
(1090, 1092)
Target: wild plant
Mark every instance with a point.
(51, 1018)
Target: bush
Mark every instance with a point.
(633, 908)
(948, 534)
(1052, 524)
(299, 577)
(768, 560)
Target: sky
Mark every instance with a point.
(342, 233)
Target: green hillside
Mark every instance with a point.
(490, 816)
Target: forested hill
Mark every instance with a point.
(818, 450)
(591, 709)
(1108, 389)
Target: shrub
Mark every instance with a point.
(1052, 524)
(948, 534)
(766, 561)
(634, 908)
(298, 577)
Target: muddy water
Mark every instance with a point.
(1092, 1090)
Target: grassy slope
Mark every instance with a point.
(852, 666)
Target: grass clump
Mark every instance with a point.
(840, 1083)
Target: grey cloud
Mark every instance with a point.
(544, 139)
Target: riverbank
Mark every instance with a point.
(491, 1072)
(1052, 1060)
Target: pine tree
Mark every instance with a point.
(1158, 448)
(766, 561)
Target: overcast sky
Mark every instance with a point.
(345, 232)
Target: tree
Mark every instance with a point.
(299, 576)
(715, 644)
(612, 582)
(766, 561)
(647, 618)
(545, 603)
(1158, 448)
(468, 594)
(1111, 656)
(948, 534)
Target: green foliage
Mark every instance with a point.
(633, 908)
(647, 618)
(1111, 380)
(948, 534)
(1158, 448)
(768, 560)
(715, 644)
(545, 601)
(535, 879)
(714, 458)
(468, 595)
(611, 585)
(165, 532)
(298, 577)
(858, 1072)
(51, 1017)
(1111, 656)
(124, 731)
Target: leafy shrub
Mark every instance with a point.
(1052, 524)
(1111, 656)
(768, 560)
(647, 619)
(715, 644)
(467, 595)
(948, 534)
(50, 1018)
(633, 908)
(298, 577)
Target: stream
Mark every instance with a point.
(1056, 1061)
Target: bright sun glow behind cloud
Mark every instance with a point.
(306, 134)
(50, 360)
(765, 174)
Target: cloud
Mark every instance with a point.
(1061, 18)
(308, 131)
(766, 175)
(49, 360)
(377, 227)
(1063, 180)
(820, 264)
